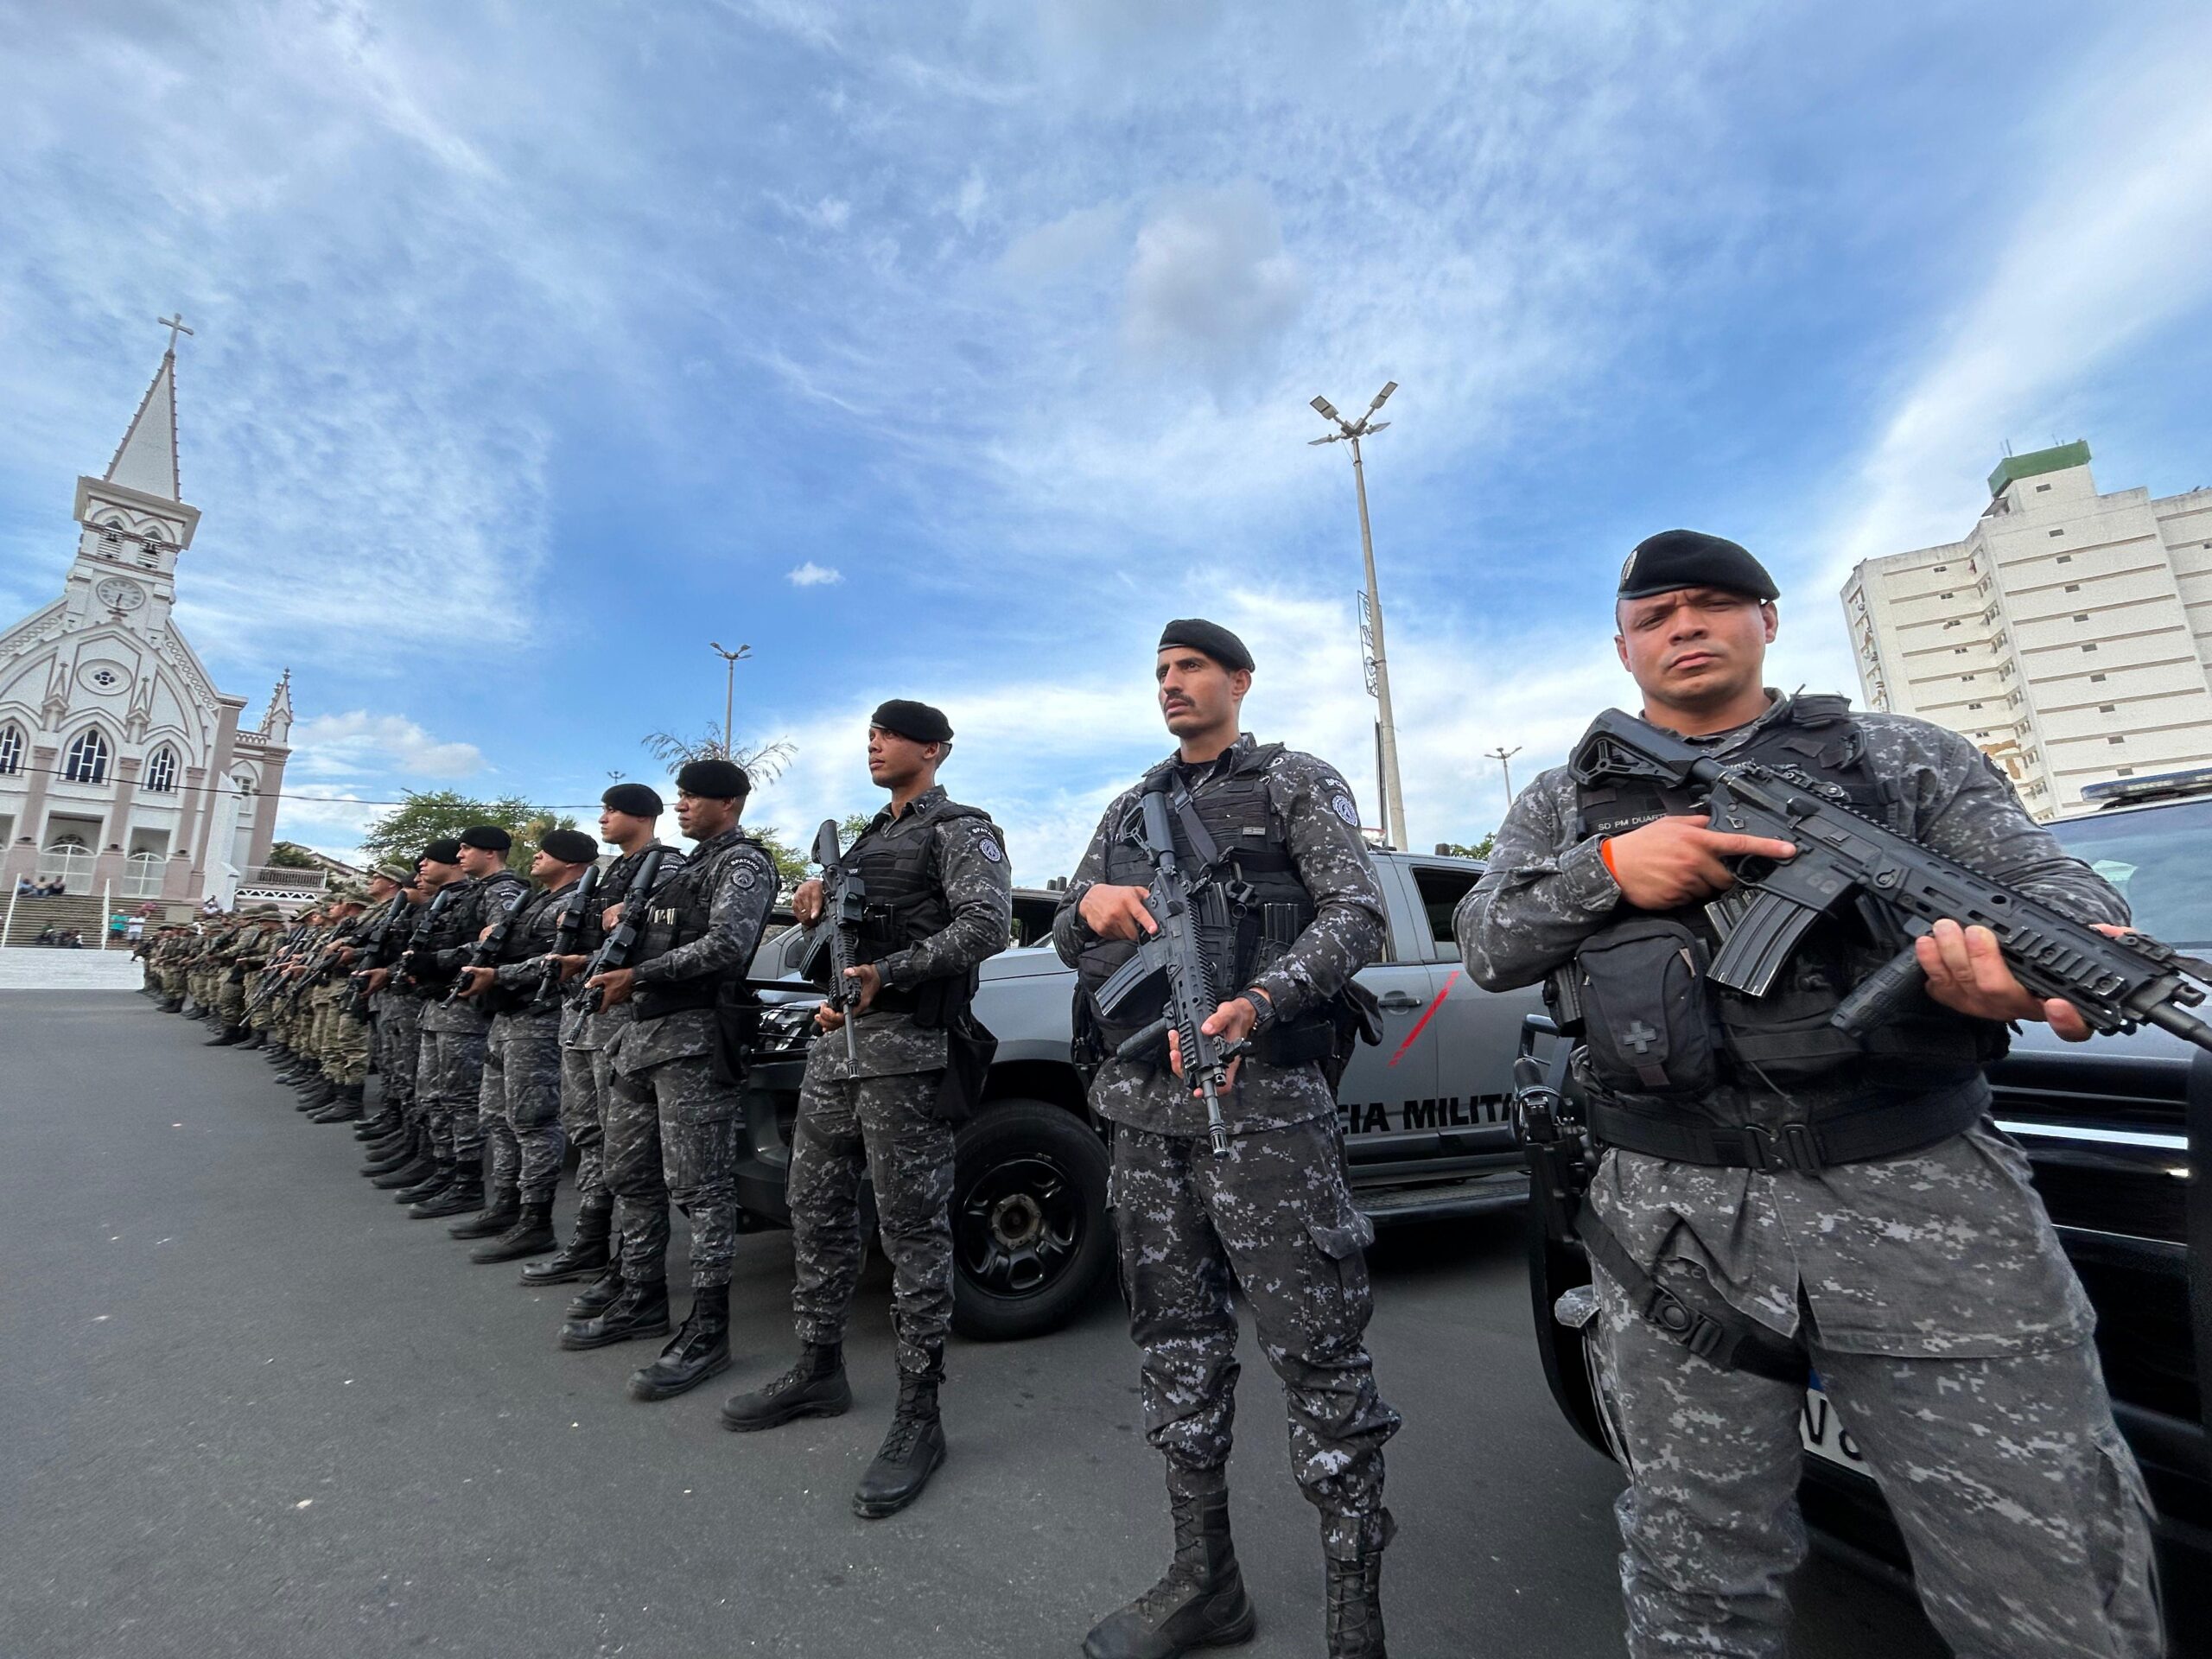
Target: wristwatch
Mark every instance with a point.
(1262, 1006)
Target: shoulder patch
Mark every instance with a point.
(1342, 805)
(989, 848)
(744, 875)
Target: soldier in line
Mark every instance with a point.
(402, 1168)
(521, 1102)
(348, 1033)
(629, 814)
(1273, 1216)
(331, 1044)
(241, 959)
(672, 1124)
(394, 1035)
(1808, 1198)
(940, 902)
(451, 1075)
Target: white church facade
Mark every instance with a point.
(123, 771)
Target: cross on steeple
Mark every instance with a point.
(175, 323)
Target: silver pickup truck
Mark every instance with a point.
(1423, 1113)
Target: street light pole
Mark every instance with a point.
(731, 658)
(1503, 756)
(1394, 793)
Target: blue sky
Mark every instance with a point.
(945, 351)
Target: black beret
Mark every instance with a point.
(486, 837)
(636, 799)
(915, 719)
(1212, 638)
(1690, 558)
(570, 846)
(717, 780)
(445, 850)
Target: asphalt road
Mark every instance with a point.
(253, 1410)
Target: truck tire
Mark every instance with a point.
(1030, 1233)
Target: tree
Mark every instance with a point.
(765, 764)
(289, 855)
(1479, 849)
(429, 815)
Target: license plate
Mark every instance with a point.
(1824, 1436)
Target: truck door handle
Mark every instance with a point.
(1397, 1003)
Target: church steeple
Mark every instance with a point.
(146, 459)
(277, 721)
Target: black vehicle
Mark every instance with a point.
(2113, 1128)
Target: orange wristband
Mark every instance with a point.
(1605, 852)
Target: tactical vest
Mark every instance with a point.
(1252, 910)
(1659, 1038)
(519, 945)
(679, 913)
(897, 865)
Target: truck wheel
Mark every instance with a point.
(1029, 1236)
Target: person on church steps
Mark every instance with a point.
(671, 1129)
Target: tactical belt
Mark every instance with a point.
(1717, 1334)
(1852, 1136)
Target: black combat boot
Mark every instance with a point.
(816, 1387)
(910, 1453)
(1201, 1602)
(530, 1232)
(440, 1177)
(637, 1311)
(255, 1038)
(595, 1298)
(317, 1092)
(497, 1216)
(463, 1194)
(699, 1349)
(345, 1105)
(379, 1125)
(1354, 1612)
(230, 1036)
(396, 1154)
(172, 1005)
(585, 1256)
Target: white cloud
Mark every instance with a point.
(1211, 287)
(359, 742)
(811, 575)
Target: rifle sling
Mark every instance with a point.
(1715, 1333)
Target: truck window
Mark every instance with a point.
(1441, 890)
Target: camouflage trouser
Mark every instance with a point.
(398, 1046)
(229, 1000)
(448, 1073)
(671, 1134)
(2026, 1516)
(172, 983)
(882, 1125)
(519, 1106)
(1273, 1216)
(344, 1042)
(587, 1080)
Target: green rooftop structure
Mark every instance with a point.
(2013, 468)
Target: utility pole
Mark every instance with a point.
(1503, 756)
(1394, 793)
(731, 658)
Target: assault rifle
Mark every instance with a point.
(614, 951)
(402, 974)
(566, 928)
(271, 979)
(373, 950)
(485, 952)
(844, 902)
(1842, 857)
(1173, 955)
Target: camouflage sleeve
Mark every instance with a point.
(1349, 926)
(979, 888)
(1543, 894)
(1069, 934)
(744, 895)
(1966, 809)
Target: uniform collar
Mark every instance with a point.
(934, 796)
(1232, 758)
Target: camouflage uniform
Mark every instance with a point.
(1937, 1306)
(450, 1073)
(883, 1116)
(1275, 1216)
(520, 1105)
(587, 1067)
(671, 1127)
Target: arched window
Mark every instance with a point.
(11, 748)
(161, 777)
(87, 761)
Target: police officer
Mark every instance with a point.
(1273, 1215)
(939, 902)
(628, 817)
(520, 1103)
(393, 1034)
(450, 1075)
(1774, 1193)
(671, 1128)
(411, 1166)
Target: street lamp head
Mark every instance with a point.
(1328, 410)
(1382, 396)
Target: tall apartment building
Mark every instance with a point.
(2069, 634)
